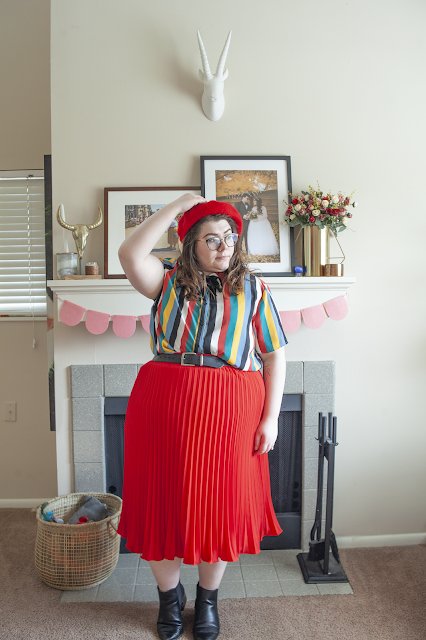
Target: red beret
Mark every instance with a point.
(204, 209)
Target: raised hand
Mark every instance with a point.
(187, 201)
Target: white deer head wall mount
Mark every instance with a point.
(213, 100)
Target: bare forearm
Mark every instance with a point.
(274, 369)
(274, 378)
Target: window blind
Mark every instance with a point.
(22, 247)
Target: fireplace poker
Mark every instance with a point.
(317, 566)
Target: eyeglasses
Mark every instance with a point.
(215, 243)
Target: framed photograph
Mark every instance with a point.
(125, 208)
(257, 186)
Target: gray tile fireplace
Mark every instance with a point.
(91, 384)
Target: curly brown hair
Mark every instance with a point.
(189, 277)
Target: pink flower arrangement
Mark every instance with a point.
(316, 208)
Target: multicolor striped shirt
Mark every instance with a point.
(234, 328)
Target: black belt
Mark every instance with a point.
(189, 359)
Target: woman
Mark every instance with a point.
(196, 480)
(261, 239)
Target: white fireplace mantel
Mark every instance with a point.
(118, 297)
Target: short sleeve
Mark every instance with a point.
(168, 264)
(267, 326)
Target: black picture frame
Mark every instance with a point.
(258, 168)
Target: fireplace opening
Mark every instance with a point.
(285, 470)
(285, 466)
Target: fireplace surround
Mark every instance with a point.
(91, 384)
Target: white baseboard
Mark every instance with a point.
(23, 503)
(393, 540)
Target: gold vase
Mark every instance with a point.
(315, 244)
(315, 250)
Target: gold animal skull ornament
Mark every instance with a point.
(80, 232)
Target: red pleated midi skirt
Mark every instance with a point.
(193, 488)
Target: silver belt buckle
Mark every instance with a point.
(188, 364)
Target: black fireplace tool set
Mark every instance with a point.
(318, 566)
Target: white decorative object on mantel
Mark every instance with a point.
(213, 100)
(118, 297)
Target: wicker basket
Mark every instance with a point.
(72, 557)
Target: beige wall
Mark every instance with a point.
(335, 85)
(25, 83)
(27, 447)
(27, 451)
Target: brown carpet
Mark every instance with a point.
(389, 601)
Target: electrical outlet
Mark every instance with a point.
(10, 411)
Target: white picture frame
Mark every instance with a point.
(118, 201)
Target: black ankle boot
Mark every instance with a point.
(206, 623)
(169, 623)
